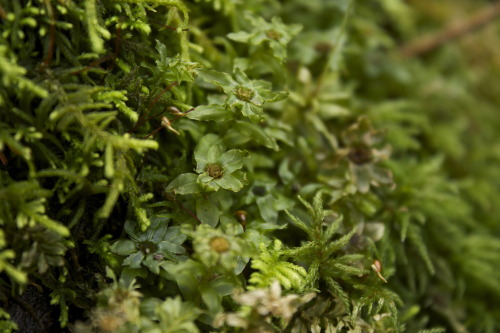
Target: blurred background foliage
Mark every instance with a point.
(394, 156)
(447, 108)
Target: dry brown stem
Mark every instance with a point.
(453, 31)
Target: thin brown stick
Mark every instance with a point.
(153, 133)
(118, 40)
(3, 159)
(167, 26)
(155, 100)
(94, 64)
(171, 197)
(52, 33)
(3, 14)
(169, 122)
(453, 31)
(180, 116)
(117, 46)
(190, 213)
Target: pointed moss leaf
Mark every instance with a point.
(184, 184)
(361, 177)
(306, 204)
(240, 36)
(152, 264)
(16, 274)
(230, 182)
(171, 247)
(274, 96)
(284, 172)
(214, 112)
(242, 77)
(223, 199)
(255, 113)
(415, 237)
(329, 111)
(330, 230)
(256, 133)
(174, 235)
(240, 265)
(337, 290)
(109, 168)
(340, 243)
(202, 150)
(157, 229)
(266, 208)
(224, 285)
(297, 222)
(213, 155)
(123, 247)
(317, 211)
(404, 219)
(163, 59)
(204, 179)
(129, 227)
(207, 212)
(346, 270)
(219, 79)
(212, 299)
(51, 224)
(207, 183)
(5, 257)
(233, 160)
(186, 275)
(134, 260)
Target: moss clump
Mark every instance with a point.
(246, 166)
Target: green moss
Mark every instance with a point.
(254, 165)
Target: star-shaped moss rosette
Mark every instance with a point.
(275, 34)
(245, 95)
(218, 168)
(150, 248)
(216, 248)
(361, 151)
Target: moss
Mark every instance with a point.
(158, 156)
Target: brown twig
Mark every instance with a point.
(153, 133)
(3, 159)
(95, 63)
(155, 100)
(3, 14)
(182, 115)
(157, 129)
(167, 26)
(171, 197)
(52, 33)
(190, 213)
(117, 46)
(118, 40)
(167, 123)
(453, 31)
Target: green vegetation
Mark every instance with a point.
(247, 166)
